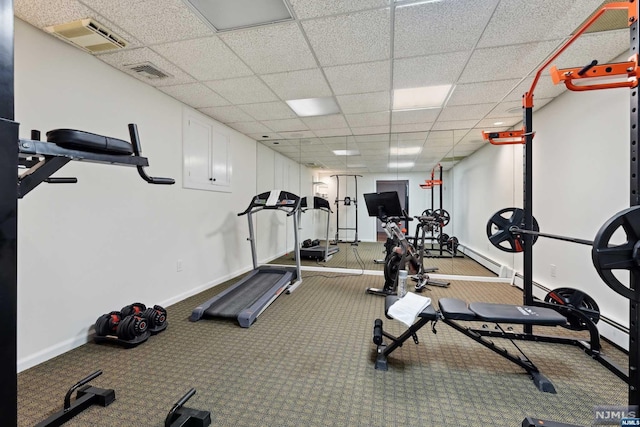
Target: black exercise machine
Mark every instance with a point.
(318, 251)
(386, 207)
(519, 232)
(181, 416)
(346, 201)
(453, 311)
(249, 297)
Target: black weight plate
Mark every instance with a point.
(577, 299)
(608, 257)
(499, 226)
(442, 216)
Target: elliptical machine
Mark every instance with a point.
(400, 253)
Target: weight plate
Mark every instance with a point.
(499, 226)
(442, 216)
(578, 300)
(427, 212)
(608, 257)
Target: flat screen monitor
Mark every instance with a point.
(383, 204)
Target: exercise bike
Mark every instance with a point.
(403, 255)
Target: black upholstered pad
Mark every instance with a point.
(455, 309)
(86, 141)
(506, 313)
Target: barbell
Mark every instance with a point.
(506, 229)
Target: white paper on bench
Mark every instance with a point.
(407, 308)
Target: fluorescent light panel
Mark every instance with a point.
(346, 152)
(314, 106)
(401, 165)
(420, 97)
(405, 151)
(225, 15)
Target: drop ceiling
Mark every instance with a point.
(357, 52)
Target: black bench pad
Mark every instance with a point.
(525, 315)
(86, 141)
(455, 309)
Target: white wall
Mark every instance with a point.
(580, 179)
(112, 239)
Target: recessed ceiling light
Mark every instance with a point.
(401, 165)
(405, 151)
(225, 15)
(314, 106)
(346, 152)
(498, 123)
(421, 97)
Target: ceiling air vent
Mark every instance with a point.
(88, 35)
(314, 165)
(148, 70)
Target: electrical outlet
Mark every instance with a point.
(179, 265)
(553, 270)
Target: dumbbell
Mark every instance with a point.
(156, 316)
(125, 328)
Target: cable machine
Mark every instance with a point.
(606, 256)
(346, 201)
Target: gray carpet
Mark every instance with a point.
(308, 360)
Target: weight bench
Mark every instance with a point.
(453, 311)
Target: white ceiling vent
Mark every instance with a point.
(314, 165)
(88, 35)
(148, 70)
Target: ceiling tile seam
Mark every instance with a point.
(351, 12)
(320, 68)
(392, 29)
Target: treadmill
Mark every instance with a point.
(249, 297)
(319, 252)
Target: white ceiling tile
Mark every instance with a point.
(428, 28)
(268, 111)
(364, 103)
(370, 130)
(506, 62)
(243, 90)
(249, 127)
(544, 89)
(506, 122)
(153, 21)
(380, 118)
(367, 147)
(228, 114)
(122, 58)
(321, 133)
(371, 138)
(286, 125)
(333, 121)
(473, 138)
(428, 70)
(412, 136)
(412, 127)
(298, 84)
(514, 108)
(352, 38)
(414, 116)
(196, 95)
(525, 21)
(465, 112)
(205, 59)
(479, 93)
(271, 49)
(265, 137)
(454, 124)
(312, 8)
(359, 78)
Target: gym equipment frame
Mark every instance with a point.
(605, 257)
(346, 201)
(250, 296)
(15, 153)
(319, 252)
